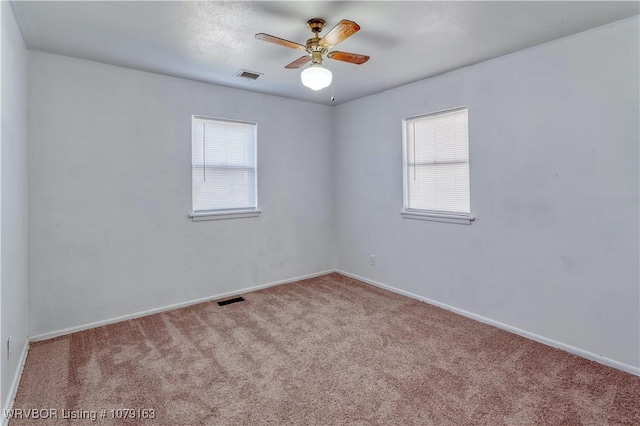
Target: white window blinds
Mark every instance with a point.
(436, 163)
(223, 164)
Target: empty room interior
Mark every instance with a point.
(320, 212)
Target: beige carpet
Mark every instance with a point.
(324, 351)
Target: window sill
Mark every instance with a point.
(438, 217)
(241, 214)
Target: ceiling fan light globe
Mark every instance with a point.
(316, 77)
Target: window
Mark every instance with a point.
(223, 168)
(436, 167)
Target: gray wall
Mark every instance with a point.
(554, 186)
(13, 201)
(110, 190)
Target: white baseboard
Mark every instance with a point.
(549, 342)
(63, 332)
(13, 390)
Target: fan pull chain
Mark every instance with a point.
(332, 98)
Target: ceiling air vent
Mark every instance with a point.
(249, 75)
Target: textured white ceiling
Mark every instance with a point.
(212, 41)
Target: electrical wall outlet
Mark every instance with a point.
(373, 260)
(9, 347)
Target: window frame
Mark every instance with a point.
(430, 215)
(205, 215)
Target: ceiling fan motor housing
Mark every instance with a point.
(316, 52)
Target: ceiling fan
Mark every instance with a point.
(316, 76)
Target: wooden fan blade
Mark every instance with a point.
(354, 58)
(280, 41)
(339, 33)
(298, 62)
